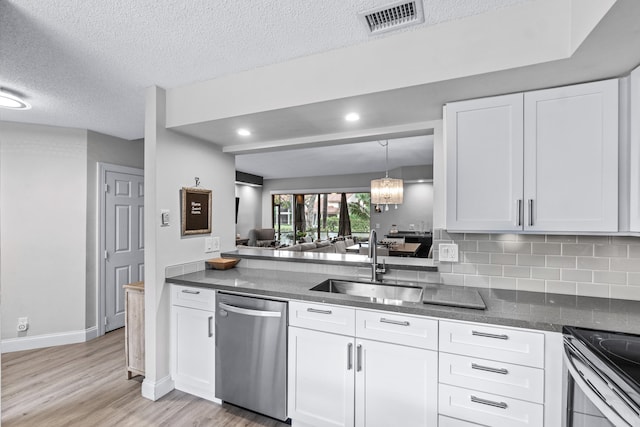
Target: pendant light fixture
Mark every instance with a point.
(386, 191)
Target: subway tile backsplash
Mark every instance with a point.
(598, 266)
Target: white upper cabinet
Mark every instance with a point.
(634, 158)
(484, 163)
(571, 158)
(540, 161)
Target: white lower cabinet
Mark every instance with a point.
(489, 409)
(321, 378)
(193, 341)
(454, 422)
(497, 376)
(342, 380)
(395, 385)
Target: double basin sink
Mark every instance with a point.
(388, 293)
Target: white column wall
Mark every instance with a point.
(171, 162)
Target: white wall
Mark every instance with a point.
(171, 162)
(43, 222)
(105, 149)
(249, 209)
(58, 166)
(417, 208)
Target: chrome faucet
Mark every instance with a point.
(376, 270)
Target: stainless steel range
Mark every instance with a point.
(603, 386)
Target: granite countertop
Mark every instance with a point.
(355, 260)
(547, 312)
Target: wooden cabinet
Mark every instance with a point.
(193, 340)
(338, 379)
(540, 161)
(134, 328)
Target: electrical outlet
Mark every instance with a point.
(216, 243)
(208, 244)
(448, 252)
(23, 324)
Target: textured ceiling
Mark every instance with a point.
(85, 64)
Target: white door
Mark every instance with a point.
(571, 158)
(124, 241)
(395, 385)
(484, 140)
(321, 379)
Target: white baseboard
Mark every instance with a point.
(48, 340)
(155, 390)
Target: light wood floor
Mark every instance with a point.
(85, 385)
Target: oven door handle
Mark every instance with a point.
(570, 355)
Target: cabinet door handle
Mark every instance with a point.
(315, 310)
(210, 320)
(394, 322)
(530, 212)
(488, 335)
(502, 371)
(359, 358)
(189, 291)
(519, 213)
(501, 405)
(349, 356)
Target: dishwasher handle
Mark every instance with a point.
(248, 311)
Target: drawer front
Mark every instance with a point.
(453, 422)
(322, 317)
(493, 343)
(193, 297)
(488, 409)
(505, 379)
(398, 329)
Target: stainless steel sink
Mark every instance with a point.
(377, 291)
(396, 294)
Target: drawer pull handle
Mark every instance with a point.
(349, 356)
(315, 310)
(189, 291)
(502, 371)
(501, 405)
(210, 321)
(394, 322)
(487, 335)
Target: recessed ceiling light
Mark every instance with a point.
(352, 117)
(244, 132)
(11, 101)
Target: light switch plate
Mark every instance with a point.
(216, 243)
(208, 244)
(448, 252)
(164, 217)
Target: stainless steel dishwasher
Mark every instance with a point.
(251, 353)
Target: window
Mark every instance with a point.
(317, 216)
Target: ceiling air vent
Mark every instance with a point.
(394, 16)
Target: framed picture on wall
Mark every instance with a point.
(196, 211)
